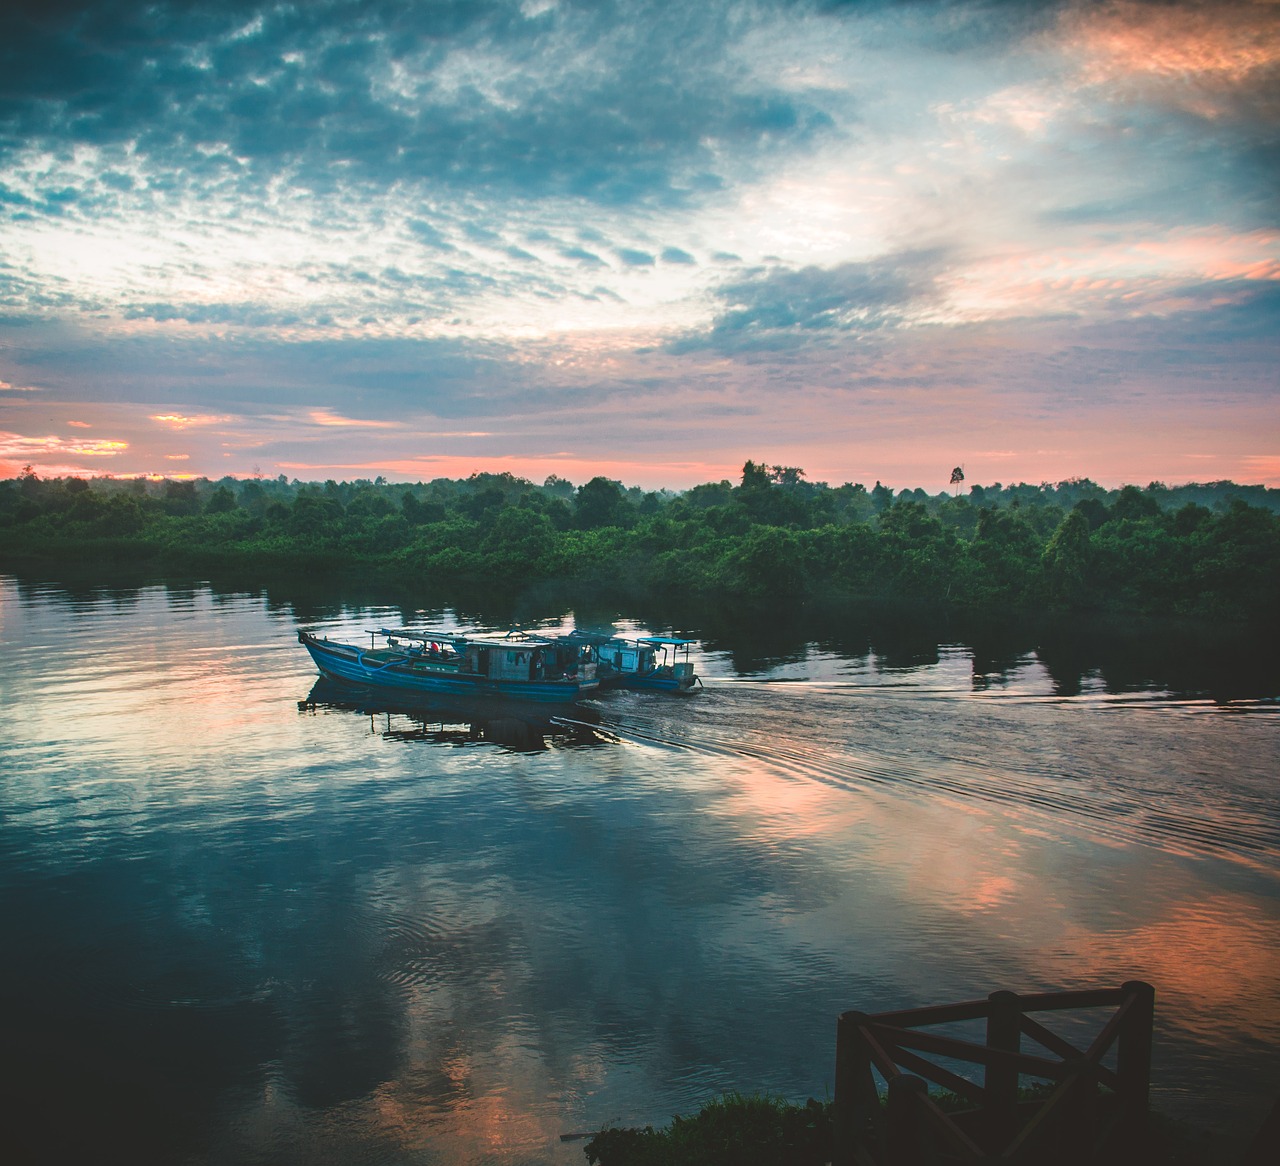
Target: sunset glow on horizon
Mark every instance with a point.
(873, 240)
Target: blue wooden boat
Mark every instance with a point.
(517, 666)
(648, 662)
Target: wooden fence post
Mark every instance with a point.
(856, 1107)
(1000, 1082)
(1133, 1055)
(1080, 1132)
(905, 1140)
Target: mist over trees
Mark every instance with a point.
(1210, 549)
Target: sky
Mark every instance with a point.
(875, 240)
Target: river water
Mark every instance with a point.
(248, 919)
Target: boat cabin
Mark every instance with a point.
(669, 652)
(646, 662)
(529, 659)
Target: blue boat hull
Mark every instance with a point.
(652, 681)
(346, 663)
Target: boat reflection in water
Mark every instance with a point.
(451, 720)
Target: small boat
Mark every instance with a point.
(519, 667)
(652, 662)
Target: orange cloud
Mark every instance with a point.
(653, 475)
(1224, 40)
(1195, 55)
(184, 421)
(1142, 276)
(1262, 468)
(329, 417)
(16, 446)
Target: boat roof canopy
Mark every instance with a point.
(505, 642)
(526, 641)
(457, 638)
(432, 637)
(603, 638)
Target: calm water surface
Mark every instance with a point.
(249, 920)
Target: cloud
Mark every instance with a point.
(568, 101)
(1197, 48)
(782, 307)
(184, 421)
(429, 235)
(328, 418)
(367, 226)
(15, 445)
(581, 255)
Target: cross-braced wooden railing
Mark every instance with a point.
(1075, 1122)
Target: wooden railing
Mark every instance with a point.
(1090, 1111)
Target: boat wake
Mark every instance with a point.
(1109, 768)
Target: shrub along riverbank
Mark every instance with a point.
(738, 1130)
(1201, 550)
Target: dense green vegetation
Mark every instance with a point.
(738, 1130)
(733, 1130)
(1200, 550)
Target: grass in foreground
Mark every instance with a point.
(733, 1130)
(738, 1130)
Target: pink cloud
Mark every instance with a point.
(649, 475)
(184, 421)
(16, 445)
(1190, 51)
(328, 417)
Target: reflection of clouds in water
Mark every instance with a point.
(1213, 961)
(456, 954)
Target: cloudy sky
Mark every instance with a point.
(345, 238)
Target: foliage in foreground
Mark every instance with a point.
(738, 1130)
(1198, 550)
(733, 1130)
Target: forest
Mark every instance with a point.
(1203, 550)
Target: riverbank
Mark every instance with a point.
(773, 540)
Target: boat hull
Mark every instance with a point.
(347, 664)
(653, 682)
(659, 684)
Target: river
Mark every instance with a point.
(249, 920)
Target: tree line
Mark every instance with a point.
(1210, 549)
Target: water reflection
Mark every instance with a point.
(251, 918)
(441, 720)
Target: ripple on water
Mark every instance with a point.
(385, 938)
(1056, 769)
